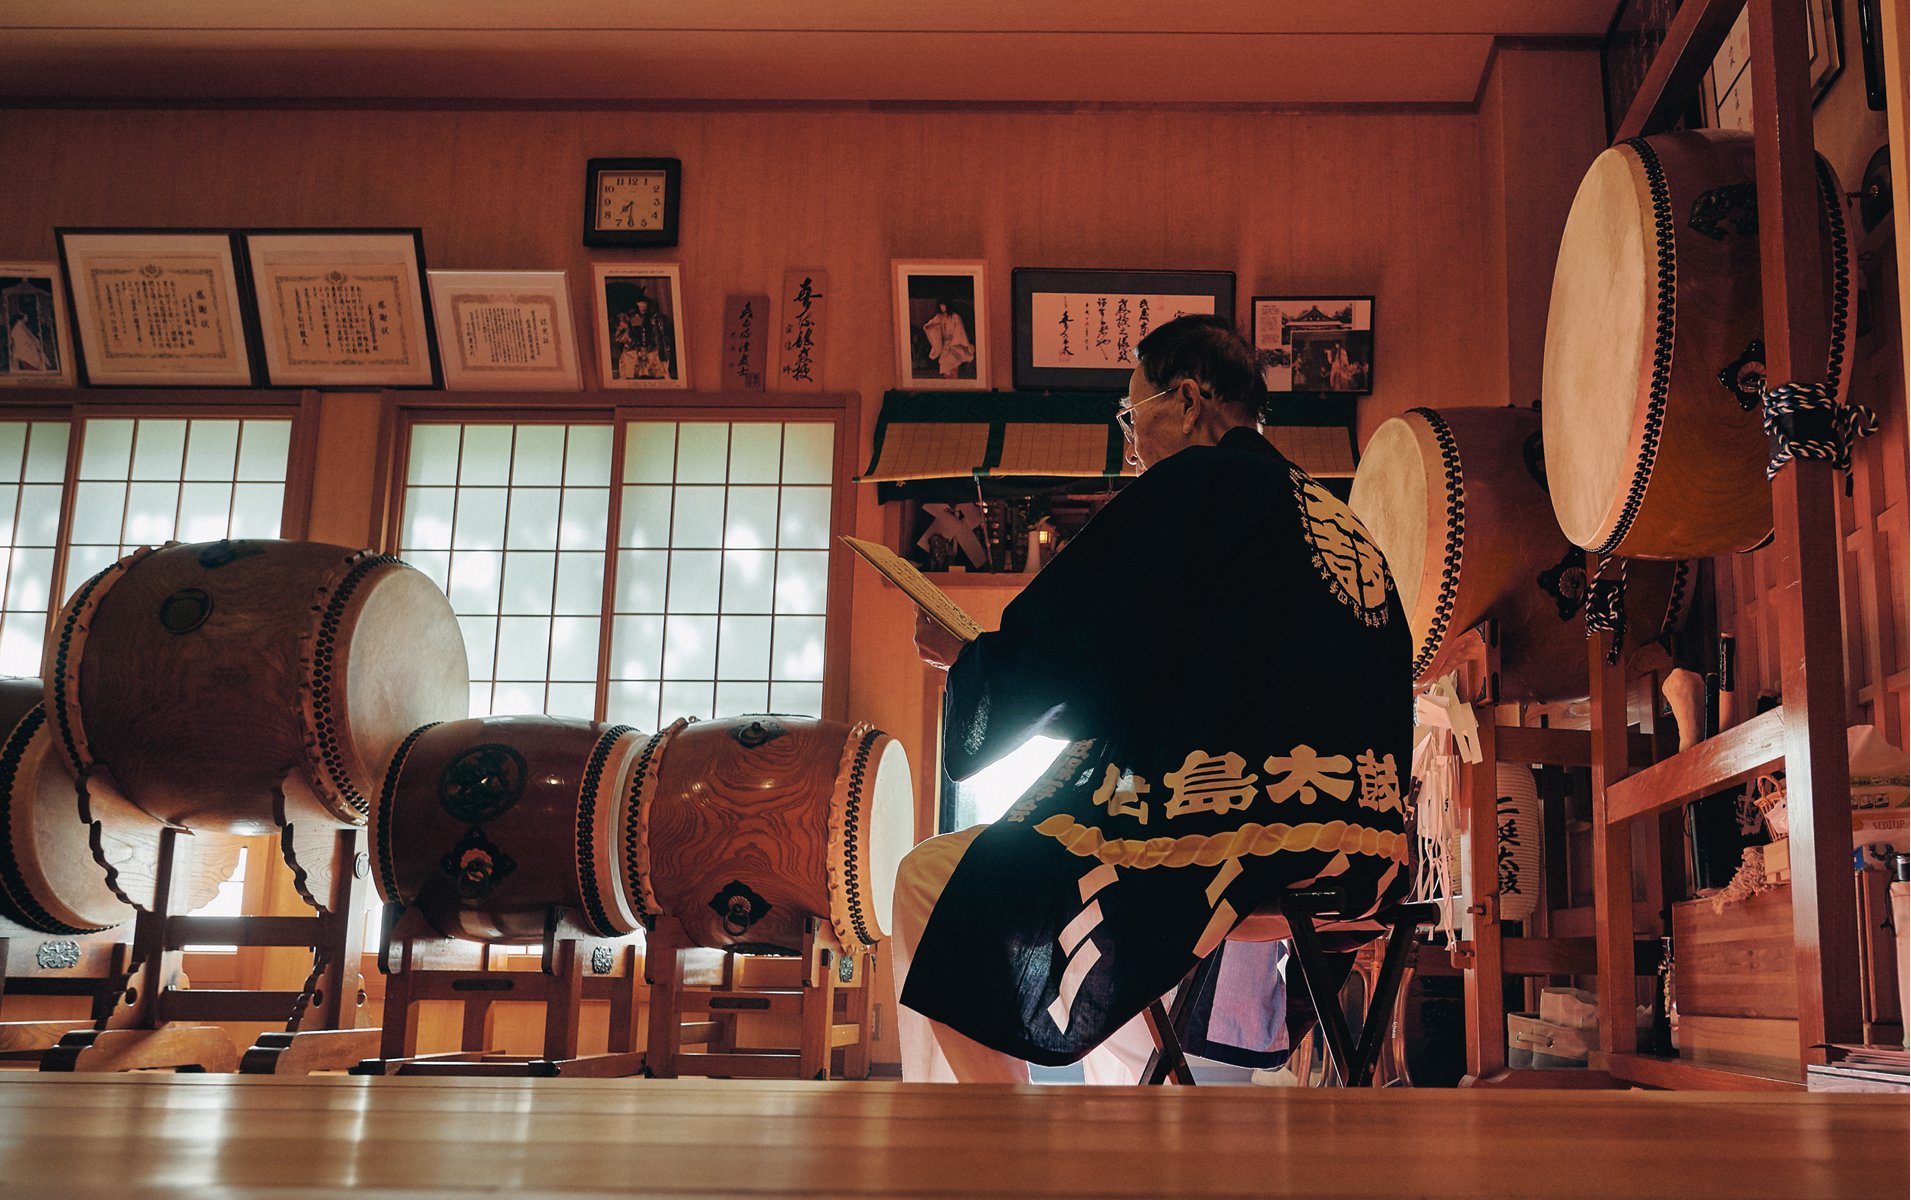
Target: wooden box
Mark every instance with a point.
(1736, 985)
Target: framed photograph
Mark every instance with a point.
(640, 326)
(1077, 330)
(505, 330)
(1725, 98)
(156, 307)
(941, 310)
(1321, 344)
(631, 201)
(38, 347)
(342, 307)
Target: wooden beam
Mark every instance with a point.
(1650, 1070)
(1612, 855)
(1691, 43)
(1710, 766)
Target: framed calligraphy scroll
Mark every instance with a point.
(745, 321)
(1077, 330)
(799, 339)
(157, 307)
(640, 326)
(342, 307)
(941, 325)
(36, 345)
(505, 330)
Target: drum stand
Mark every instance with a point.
(422, 964)
(826, 971)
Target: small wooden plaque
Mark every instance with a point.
(799, 340)
(745, 320)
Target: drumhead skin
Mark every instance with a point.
(1398, 496)
(1655, 446)
(49, 880)
(891, 826)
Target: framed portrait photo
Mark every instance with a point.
(941, 321)
(1322, 344)
(38, 347)
(156, 307)
(505, 330)
(640, 342)
(342, 307)
(1077, 330)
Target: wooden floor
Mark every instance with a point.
(82, 1137)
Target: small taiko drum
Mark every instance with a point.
(1456, 501)
(484, 825)
(1655, 444)
(49, 881)
(749, 827)
(201, 681)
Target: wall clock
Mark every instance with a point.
(631, 201)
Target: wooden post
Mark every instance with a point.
(1485, 980)
(1612, 854)
(662, 971)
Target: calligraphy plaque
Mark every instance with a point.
(343, 308)
(745, 319)
(799, 337)
(505, 330)
(157, 307)
(1077, 330)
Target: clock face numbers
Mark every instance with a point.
(630, 201)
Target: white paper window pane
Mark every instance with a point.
(580, 584)
(586, 519)
(528, 580)
(803, 522)
(428, 516)
(683, 698)
(98, 510)
(212, 450)
(435, 565)
(107, 452)
(809, 452)
(159, 449)
(574, 647)
(150, 509)
(258, 510)
(39, 523)
(749, 518)
(646, 518)
(694, 578)
(486, 457)
(743, 648)
(748, 576)
(698, 522)
(703, 452)
(640, 580)
(799, 648)
(474, 581)
(30, 581)
(434, 454)
(796, 699)
(524, 645)
(539, 457)
(587, 463)
(650, 452)
(22, 635)
(84, 562)
(690, 647)
(636, 648)
(205, 511)
(571, 700)
(633, 703)
(517, 698)
(9, 503)
(802, 581)
(735, 699)
(480, 644)
(264, 448)
(533, 517)
(756, 453)
(13, 450)
(480, 523)
(46, 452)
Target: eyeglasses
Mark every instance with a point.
(1125, 416)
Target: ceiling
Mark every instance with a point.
(1255, 52)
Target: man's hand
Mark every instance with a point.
(937, 646)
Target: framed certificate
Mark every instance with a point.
(157, 307)
(342, 308)
(505, 330)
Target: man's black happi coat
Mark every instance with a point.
(1225, 651)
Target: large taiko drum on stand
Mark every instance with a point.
(49, 881)
(484, 825)
(199, 680)
(1455, 500)
(1655, 446)
(749, 826)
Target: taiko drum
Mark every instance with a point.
(746, 828)
(201, 680)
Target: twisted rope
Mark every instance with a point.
(1606, 605)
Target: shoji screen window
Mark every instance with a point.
(146, 480)
(512, 522)
(722, 570)
(32, 479)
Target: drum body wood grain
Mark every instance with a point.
(1655, 446)
(749, 826)
(485, 824)
(199, 680)
(1454, 498)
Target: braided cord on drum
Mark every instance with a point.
(1455, 539)
(387, 798)
(1606, 604)
(637, 829)
(852, 830)
(1665, 327)
(587, 881)
(16, 897)
(1833, 199)
(320, 674)
(66, 671)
